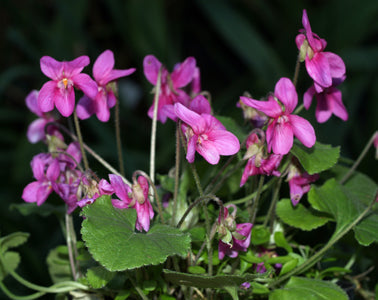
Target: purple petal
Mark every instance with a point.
(115, 74)
(111, 99)
(38, 167)
(282, 138)
(190, 117)
(319, 70)
(303, 130)
(307, 97)
(105, 188)
(191, 151)
(74, 67)
(51, 67)
(103, 66)
(286, 93)
(101, 106)
(36, 130)
(151, 67)
(323, 110)
(46, 96)
(85, 108)
(336, 64)
(43, 192)
(120, 204)
(182, 75)
(338, 108)
(74, 151)
(86, 84)
(121, 189)
(224, 141)
(144, 215)
(53, 171)
(200, 105)
(29, 193)
(32, 103)
(209, 152)
(271, 108)
(65, 101)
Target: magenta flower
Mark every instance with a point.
(321, 66)
(137, 198)
(282, 125)
(206, 135)
(329, 102)
(65, 76)
(170, 92)
(36, 130)
(233, 237)
(46, 171)
(105, 99)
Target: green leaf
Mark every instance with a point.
(98, 277)
(288, 266)
(196, 270)
(26, 209)
(233, 291)
(259, 235)
(9, 262)
(316, 159)
(110, 237)
(299, 288)
(59, 265)
(299, 216)
(203, 281)
(281, 241)
(13, 240)
(258, 288)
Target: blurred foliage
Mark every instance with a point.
(239, 45)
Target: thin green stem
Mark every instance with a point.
(80, 140)
(14, 297)
(138, 289)
(177, 173)
(297, 68)
(318, 255)
(216, 177)
(359, 159)
(298, 110)
(256, 200)
(118, 138)
(153, 127)
(272, 208)
(70, 246)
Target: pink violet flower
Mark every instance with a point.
(104, 73)
(135, 197)
(283, 125)
(65, 76)
(321, 66)
(46, 171)
(36, 130)
(171, 84)
(240, 234)
(329, 102)
(206, 135)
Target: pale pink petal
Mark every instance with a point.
(32, 103)
(191, 150)
(46, 96)
(36, 131)
(224, 141)
(182, 75)
(29, 193)
(271, 108)
(101, 107)
(103, 65)
(319, 70)
(303, 130)
(51, 67)
(121, 189)
(65, 101)
(86, 84)
(115, 74)
(74, 67)
(282, 139)
(85, 108)
(336, 64)
(209, 152)
(307, 97)
(38, 167)
(212, 122)
(43, 192)
(190, 117)
(286, 93)
(151, 67)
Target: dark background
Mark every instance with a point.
(239, 46)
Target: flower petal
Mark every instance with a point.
(115, 74)
(338, 107)
(190, 117)
(286, 93)
(307, 97)
(319, 70)
(121, 189)
(36, 130)
(191, 151)
(271, 108)
(151, 67)
(85, 108)
(86, 84)
(200, 105)
(323, 110)
(74, 67)
(65, 101)
(282, 138)
(303, 130)
(336, 64)
(184, 73)
(46, 96)
(29, 193)
(32, 103)
(51, 67)
(209, 152)
(53, 171)
(103, 66)
(101, 106)
(224, 141)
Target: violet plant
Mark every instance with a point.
(190, 234)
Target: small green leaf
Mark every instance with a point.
(13, 240)
(299, 288)
(233, 291)
(9, 263)
(259, 235)
(44, 210)
(59, 265)
(98, 277)
(112, 240)
(196, 270)
(203, 281)
(288, 266)
(258, 288)
(149, 285)
(298, 216)
(281, 241)
(316, 159)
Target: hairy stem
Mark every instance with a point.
(177, 173)
(80, 140)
